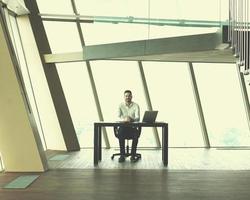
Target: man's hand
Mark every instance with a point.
(128, 119)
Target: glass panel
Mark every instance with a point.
(138, 8)
(189, 9)
(172, 95)
(77, 89)
(173, 31)
(55, 6)
(130, 32)
(113, 33)
(112, 79)
(164, 9)
(69, 41)
(222, 104)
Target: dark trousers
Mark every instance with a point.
(128, 133)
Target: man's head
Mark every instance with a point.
(128, 96)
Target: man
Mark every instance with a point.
(128, 111)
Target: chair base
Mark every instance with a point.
(138, 155)
(127, 154)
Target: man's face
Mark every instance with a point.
(128, 97)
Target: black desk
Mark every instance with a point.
(98, 137)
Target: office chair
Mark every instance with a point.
(127, 153)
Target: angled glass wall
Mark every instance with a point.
(120, 21)
(119, 8)
(80, 99)
(56, 6)
(160, 9)
(111, 33)
(171, 31)
(112, 78)
(178, 107)
(212, 10)
(222, 104)
(171, 94)
(63, 37)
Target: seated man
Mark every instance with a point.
(128, 112)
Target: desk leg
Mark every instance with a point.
(96, 133)
(165, 145)
(100, 143)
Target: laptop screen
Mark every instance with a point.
(149, 116)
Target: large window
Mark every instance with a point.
(108, 14)
(55, 6)
(112, 79)
(214, 10)
(77, 89)
(112, 33)
(160, 9)
(222, 104)
(119, 8)
(69, 41)
(171, 94)
(169, 84)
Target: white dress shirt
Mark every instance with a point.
(132, 110)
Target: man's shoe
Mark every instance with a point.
(134, 159)
(121, 159)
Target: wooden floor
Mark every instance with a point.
(117, 184)
(215, 174)
(179, 159)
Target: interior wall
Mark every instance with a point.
(20, 147)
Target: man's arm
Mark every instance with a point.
(137, 114)
(119, 114)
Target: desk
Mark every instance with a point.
(98, 137)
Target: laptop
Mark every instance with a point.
(149, 116)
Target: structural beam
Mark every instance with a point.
(192, 48)
(198, 105)
(211, 56)
(244, 93)
(190, 43)
(148, 101)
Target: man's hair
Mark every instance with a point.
(127, 91)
